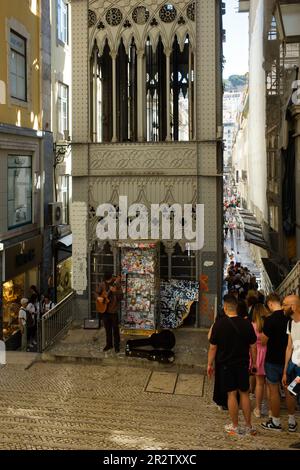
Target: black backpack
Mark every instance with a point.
(29, 319)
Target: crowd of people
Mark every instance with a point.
(254, 353)
(30, 313)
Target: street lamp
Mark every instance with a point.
(60, 150)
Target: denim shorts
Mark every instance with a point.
(274, 373)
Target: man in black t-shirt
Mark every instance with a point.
(232, 337)
(276, 338)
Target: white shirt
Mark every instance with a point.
(295, 335)
(22, 315)
(30, 308)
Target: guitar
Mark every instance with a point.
(102, 302)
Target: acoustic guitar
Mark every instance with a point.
(102, 302)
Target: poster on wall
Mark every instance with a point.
(140, 286)
(176, 299)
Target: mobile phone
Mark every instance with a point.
(294, 386)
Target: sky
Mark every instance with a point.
(236, 45)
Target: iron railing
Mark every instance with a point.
(54, 323)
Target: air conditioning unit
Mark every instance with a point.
(55, 213)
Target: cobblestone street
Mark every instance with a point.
(56, 406)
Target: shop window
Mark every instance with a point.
(19, 193)
(18, 76)
(62, 21)
(64, 279)
(13, 291)
(63, 108)
(64, 196)
(183, 264)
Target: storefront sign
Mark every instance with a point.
(22, 257)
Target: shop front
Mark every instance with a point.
(64, 267)
(159, 285)
(20, 270)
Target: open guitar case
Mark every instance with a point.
(162, 344)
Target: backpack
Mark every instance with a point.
(290, 325)
(29, 319)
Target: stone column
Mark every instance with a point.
(296, 114)
(95, 100)
(208, 100)
(169, 249)
(191, 110)
(113, 55)
(80, 67)
(140, 95)
(168, 124)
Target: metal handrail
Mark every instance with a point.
(53, 323)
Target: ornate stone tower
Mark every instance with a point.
(147, 123)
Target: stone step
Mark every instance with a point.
(120, 359)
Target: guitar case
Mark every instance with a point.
(164, 356)
(162, 343)
(163, 340)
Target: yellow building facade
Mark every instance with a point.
(20, 71)
(26, 156)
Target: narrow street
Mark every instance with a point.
(71, 407)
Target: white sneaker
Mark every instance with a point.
(233, 430)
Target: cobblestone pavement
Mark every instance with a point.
(86, 346)
(56, 406)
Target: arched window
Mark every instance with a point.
(104, 114)
(156, 91)
(143, 92)
(180, 91)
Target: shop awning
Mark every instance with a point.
(66, 241)
(252, 229)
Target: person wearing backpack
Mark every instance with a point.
(47, 304)
(23, 323)
(31, 320)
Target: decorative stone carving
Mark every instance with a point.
(100, 25)
(140, 15)
(178, 158)
(154, 22)
(190, 11)
(167, 13)
(127, 24)
(114, 17)
(92, 18)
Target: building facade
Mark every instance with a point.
(61, 125)
(147, 124)
(25, 155)
(271, 141)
